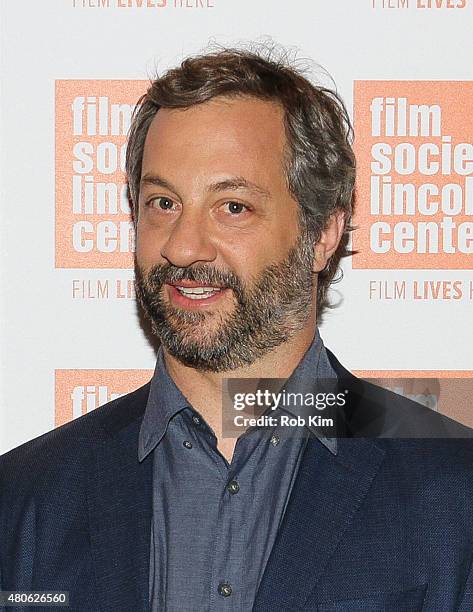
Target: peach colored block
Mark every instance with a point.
(93, 227)
(453, 389)
(80, 391)
(455, 100)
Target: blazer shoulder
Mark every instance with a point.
(375, 412)
(74, 439)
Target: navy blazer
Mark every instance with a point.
(384, 526)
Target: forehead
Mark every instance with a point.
(240, 135)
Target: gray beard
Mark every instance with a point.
(268, 313)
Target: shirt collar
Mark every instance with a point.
(165, 399)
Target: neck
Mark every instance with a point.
(204, 389)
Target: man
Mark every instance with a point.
(241, 176)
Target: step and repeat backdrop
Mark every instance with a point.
(72, 72)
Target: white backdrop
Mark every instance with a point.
(64, 350)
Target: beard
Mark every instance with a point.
(267, 311)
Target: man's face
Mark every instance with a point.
(223, 269)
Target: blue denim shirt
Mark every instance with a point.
(214, 523)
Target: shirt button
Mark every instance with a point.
(225, 589)
(187, 444)
(233, 487)
(275, 440)
(196, 419)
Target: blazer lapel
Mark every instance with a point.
(120, 508)
(326, 495)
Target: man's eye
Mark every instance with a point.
(162, 203)
(235, 208)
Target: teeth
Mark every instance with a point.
(198, 293)
(198, 290)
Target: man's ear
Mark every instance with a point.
(329, 240)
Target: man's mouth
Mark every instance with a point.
(197, 293)
(191, 294)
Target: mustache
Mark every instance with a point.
(208, 275)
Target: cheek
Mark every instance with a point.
(148, 244)
(246, 260)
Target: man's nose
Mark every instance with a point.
(189, 241)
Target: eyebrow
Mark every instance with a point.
(229, 184)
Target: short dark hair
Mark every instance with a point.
(320, 164)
